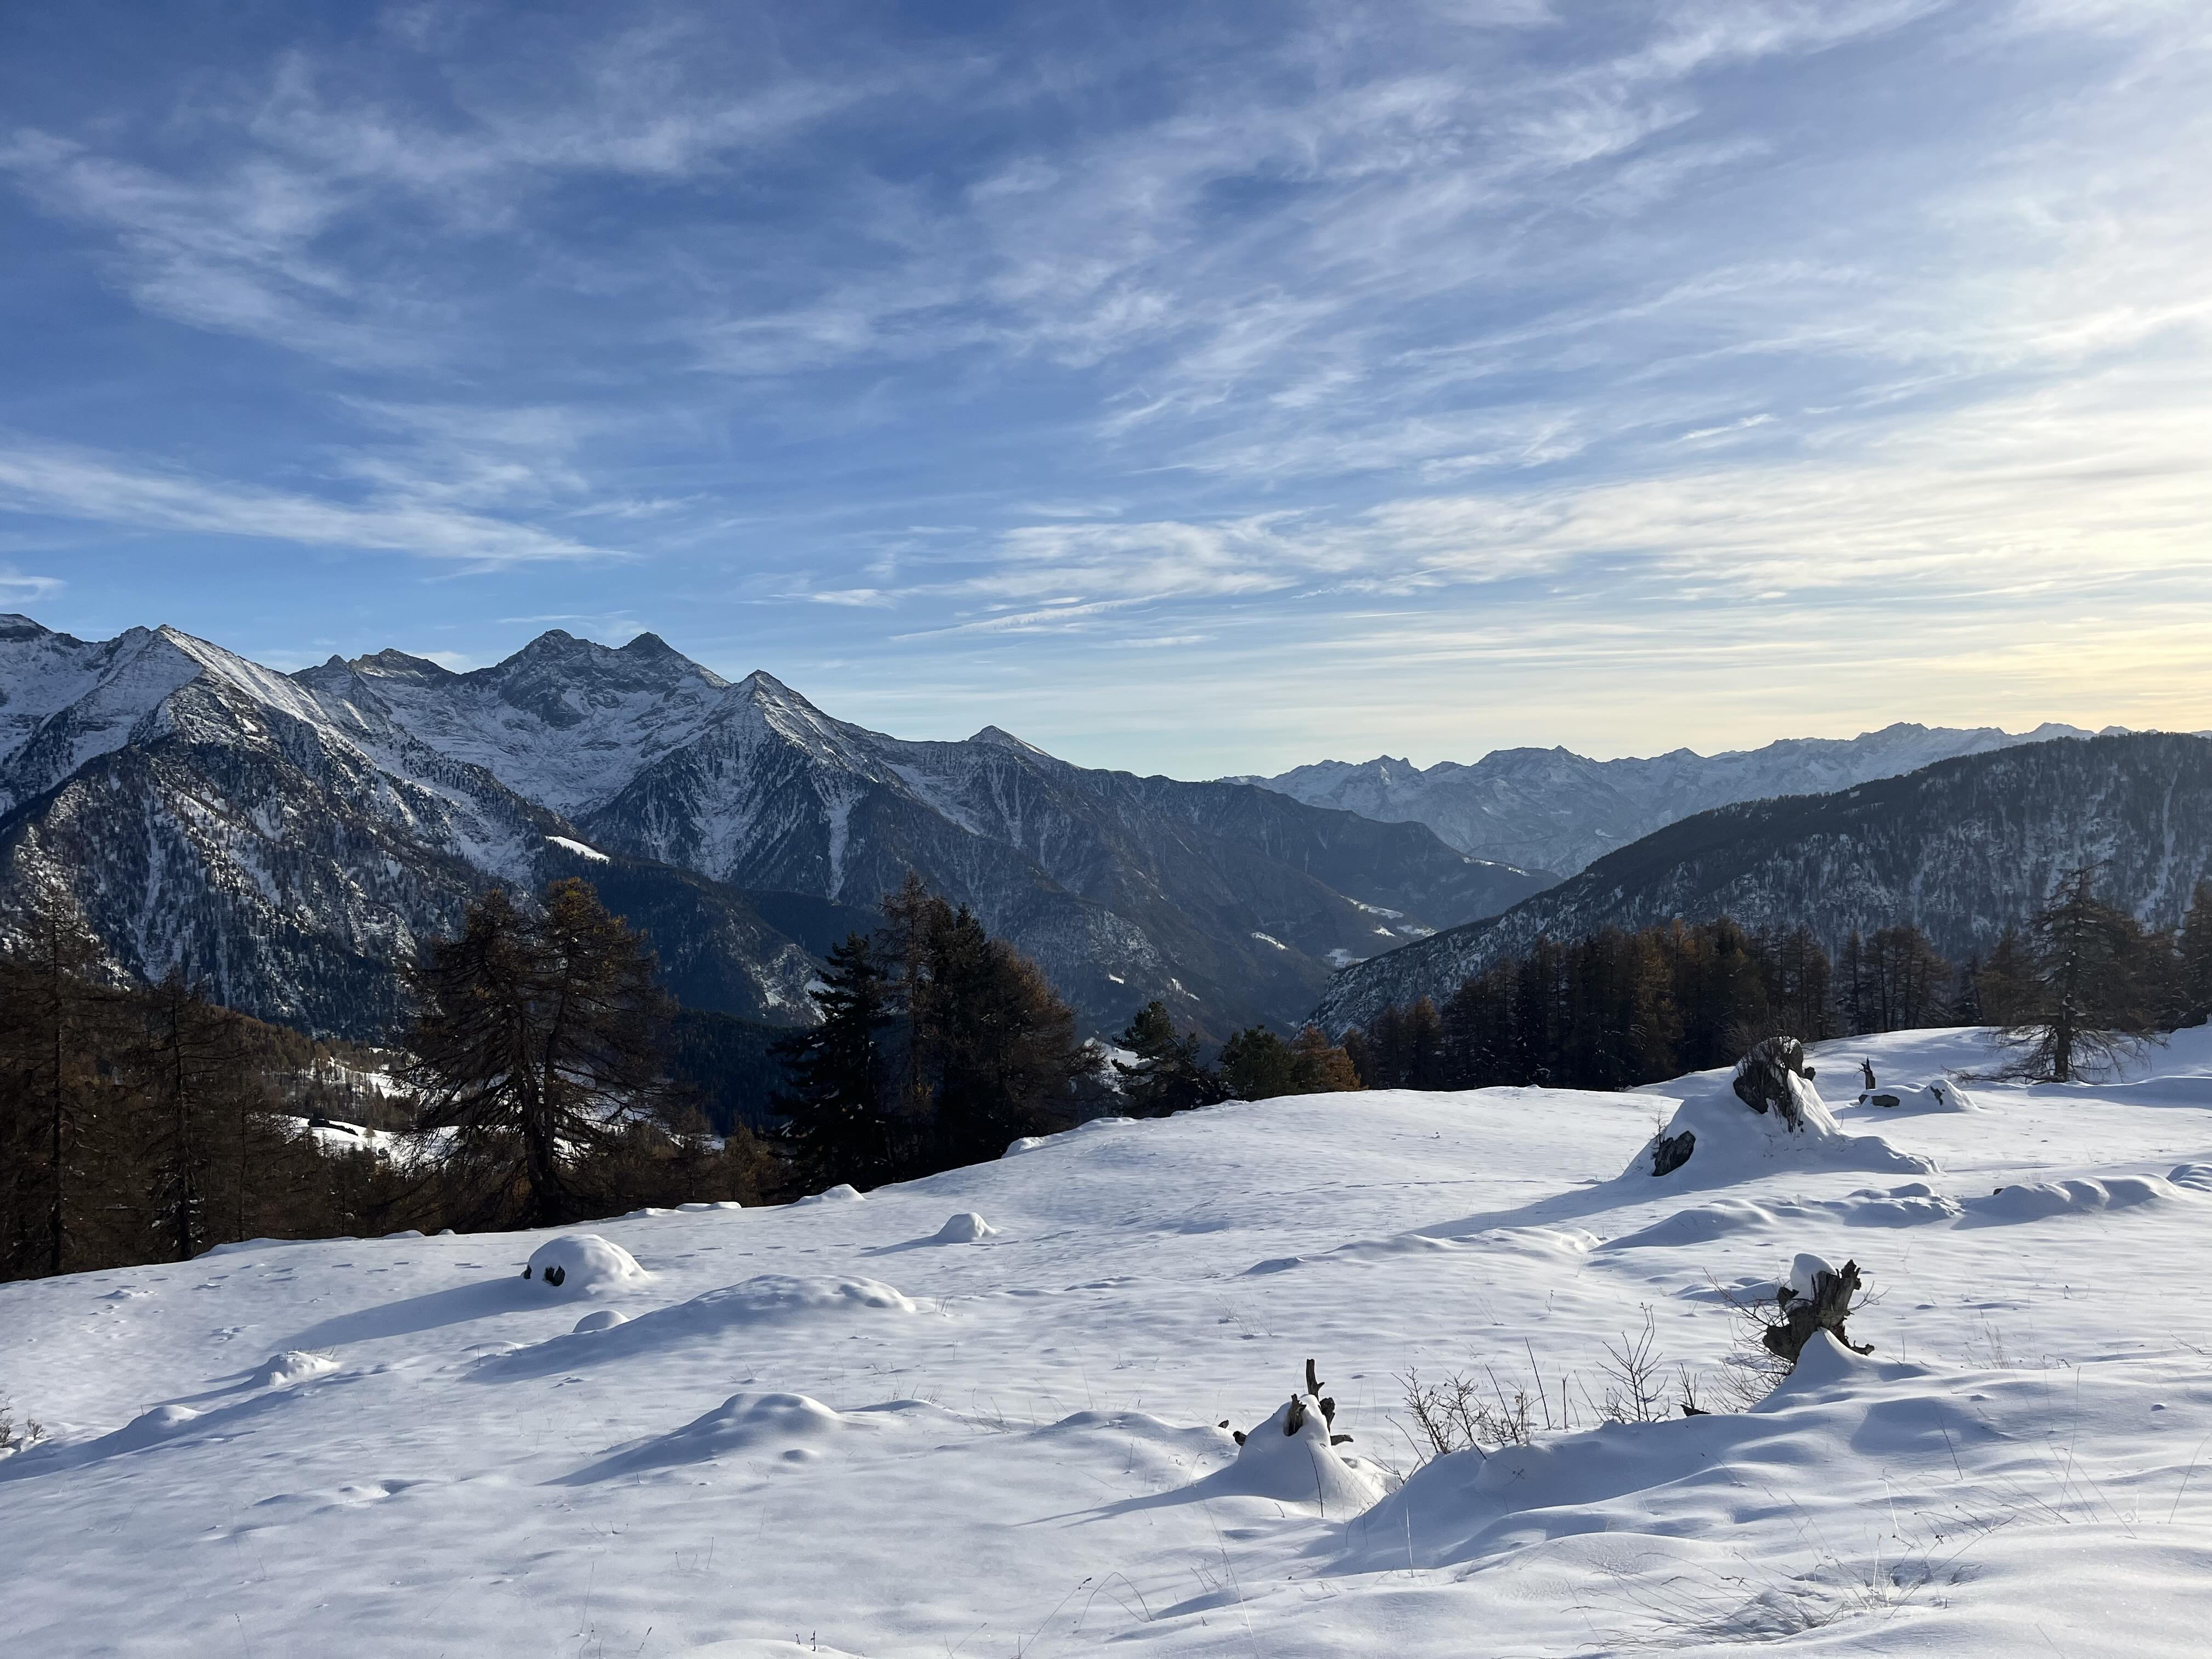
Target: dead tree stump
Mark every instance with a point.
(1823, 1306)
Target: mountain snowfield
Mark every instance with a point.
(976, 1414)
(1553, 810)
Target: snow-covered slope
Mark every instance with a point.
(1549, 809)
(1964, 848)
(835, 1429)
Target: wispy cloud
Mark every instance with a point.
(1497, 354)
(79, 484)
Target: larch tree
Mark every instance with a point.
(535, 1038)
(2089, 1005)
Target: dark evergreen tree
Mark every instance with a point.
(1258, 1064)
(1167, 1075)
(838, 1073)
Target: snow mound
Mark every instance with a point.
(2034, 1201)
(844, 1191)
(1030, 1143)
(576, 1263)
(792, 1427)
(701, 1207)
(1912, 1099)
(966, 1228)
(2197, 1177)
(1699, 1226)
(703, 1319)
(1730, 1143)
(602, 1319)
(1297, 1467)
(291, 1366)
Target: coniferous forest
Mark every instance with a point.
(543, 1076)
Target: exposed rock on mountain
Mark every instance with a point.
(1962, 849)
(292, 837)
(1548, 809)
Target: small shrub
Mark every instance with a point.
(15, 1438)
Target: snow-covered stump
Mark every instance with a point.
(1293, 1457)
(1817, 1298)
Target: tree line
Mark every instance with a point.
(143, 1122)
(2083, 982)
(146, 1123)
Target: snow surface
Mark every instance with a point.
(810, 1434)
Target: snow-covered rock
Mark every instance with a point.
(965, 1228)
(580, 1262)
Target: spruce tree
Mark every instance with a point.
(1258, 1064)
(1167, 1075)
(838, 1072)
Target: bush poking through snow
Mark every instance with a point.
(13, 1437)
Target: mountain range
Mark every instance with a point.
(294, 836)
(1963, 848)
(1554, 810)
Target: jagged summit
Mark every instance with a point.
(999, 737)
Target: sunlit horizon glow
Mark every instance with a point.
(1200, 390)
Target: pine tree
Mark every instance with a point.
(535, 1038)
(2092, 1005)
(1258, 1064)
(838, 1072)
(1167, 1075)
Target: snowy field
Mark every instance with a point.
(828, 1429)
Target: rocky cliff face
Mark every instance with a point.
(1963, 848)
(294, 836)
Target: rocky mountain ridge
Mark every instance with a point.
(1963, 848)
(1553, 810)
(294, 836)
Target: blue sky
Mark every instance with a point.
(1189, 387)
